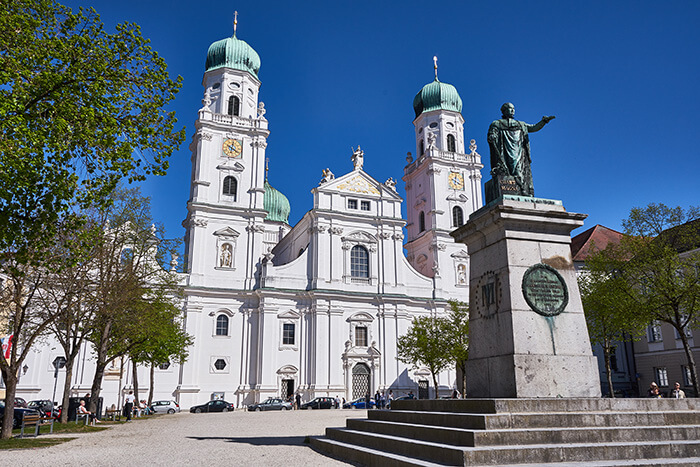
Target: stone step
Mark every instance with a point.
(538, 420)
(686, 462)
(366, 456)
(467, 437)
(495, 406)
(514, 454)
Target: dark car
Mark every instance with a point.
(213, 406)
(358, 404)
(319, 403)
(271, 403)
(45, 407)
(19, 402)
(402, 398)
(20, 412)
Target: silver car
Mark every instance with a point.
(165, 407)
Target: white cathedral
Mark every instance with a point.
(316, 308)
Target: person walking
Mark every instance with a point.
(129, 405)
(677, 392)
(298, 402)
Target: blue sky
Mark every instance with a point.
(621, 77)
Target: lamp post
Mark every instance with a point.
(58, 363)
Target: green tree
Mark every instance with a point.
(80, 110)
(456, 332)
(425, 345)
(611, 313)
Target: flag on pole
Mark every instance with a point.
(6, 346)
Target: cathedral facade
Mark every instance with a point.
(318, 307)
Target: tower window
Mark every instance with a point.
(457, 216)
(230, 186)
(234, 104)
(359, 262)
(361, 336)
(451, 145)
(422, 148)
(288, 334)
(222, 325)
(421, 221)
(220, 364)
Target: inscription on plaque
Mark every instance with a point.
(508, 186)
(544, 290)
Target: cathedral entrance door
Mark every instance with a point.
(360, 380)
(287, 388)
(423, 392)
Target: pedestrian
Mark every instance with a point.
(377, 398)
(410, 395)
(337, 402)
(129, 405)
(298, 402)
(367, 399)
(653, 391)
(677, 392)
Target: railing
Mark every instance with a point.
(232, 120)
(360, 280)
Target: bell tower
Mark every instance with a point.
(443, 187)
(226, 209)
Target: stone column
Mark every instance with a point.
(526, 340)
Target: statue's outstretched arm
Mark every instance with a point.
(539, 125)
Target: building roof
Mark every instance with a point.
(232, 52)
(598, 235)
(276, 205)
(437, 96)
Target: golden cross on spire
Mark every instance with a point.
(435, 65)
(235, 22)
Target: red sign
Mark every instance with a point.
(6, 346)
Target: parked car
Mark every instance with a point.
(319, 403)
(45, 407)
(19, 414)
(402, 398)
(19, 402)
(213, 406)
(165, 407)
(358, 403)
(272, 403)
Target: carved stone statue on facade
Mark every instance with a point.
(225, 260)
(261, 110)
(432, 139)
(358, 158)
(390, 183)
(327, 176)
(510, 154)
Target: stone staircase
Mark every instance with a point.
(575, 432)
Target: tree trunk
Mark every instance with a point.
(608, 367)
(135, 375)
(464, 379)
(65, 399)
(691, 361)
(150, 389)
(436, 385)
(97, 384)
(10, 378)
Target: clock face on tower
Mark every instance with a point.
(456, 180)
(233, 147)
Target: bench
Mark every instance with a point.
(115, 415)
(36, 420)
(85, 416)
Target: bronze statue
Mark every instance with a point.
(510, 155)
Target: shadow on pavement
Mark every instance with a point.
(257, 441)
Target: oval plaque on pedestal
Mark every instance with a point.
(545, 290)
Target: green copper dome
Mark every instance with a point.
(233, 53)
(276, 205)
(437, 96)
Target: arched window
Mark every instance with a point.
(222, 325)
(457, 216)
(234, 104)
(451, 145)
(230, 186)
(422, 147)
(421, 221)
(359, 262)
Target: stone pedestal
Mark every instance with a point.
(516, 352)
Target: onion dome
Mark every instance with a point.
(233, 53)
(437, 96)
(276, 205)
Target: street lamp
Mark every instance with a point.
(25, 368)
(58, 363)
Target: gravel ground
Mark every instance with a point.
(237, 438)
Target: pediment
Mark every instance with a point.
(359, 236)
(290, 314)
(227, 233)
(232, 166)
(361, 317)
(454, 196)
(362, 352)
(287, 370)
(461, 254)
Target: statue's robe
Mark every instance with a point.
(510, 151)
